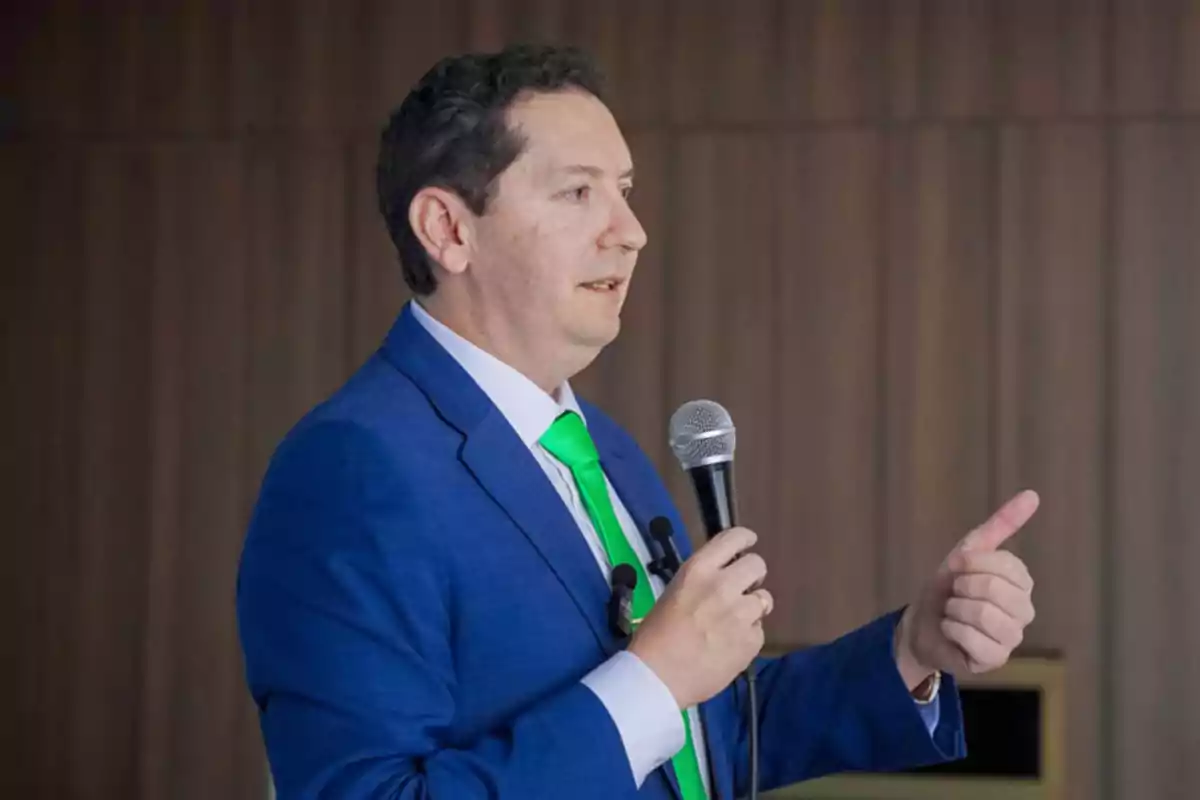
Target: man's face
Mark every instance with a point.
(556, 249)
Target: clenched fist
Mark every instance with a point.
(707, 626)
(973, 613)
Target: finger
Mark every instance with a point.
(1011, 600)
(986, 618)
(981, 651)
(1001, 563)
(744, 574)
(724, 547)
(754, 607)
(1003, 524)
(768, 602)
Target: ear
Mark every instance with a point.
(443, 225)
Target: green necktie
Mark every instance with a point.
(568, 441)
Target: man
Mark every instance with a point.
(423, 590)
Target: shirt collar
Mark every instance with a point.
(528, 409)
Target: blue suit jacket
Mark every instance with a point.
(417, 608)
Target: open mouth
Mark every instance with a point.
(606, 285)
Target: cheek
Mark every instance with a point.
(556, 253)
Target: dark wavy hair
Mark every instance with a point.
(450, 132)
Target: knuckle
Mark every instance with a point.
(988, 616)
(728, 594)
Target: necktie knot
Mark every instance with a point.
(568, 440)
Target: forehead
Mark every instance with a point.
(568, 128)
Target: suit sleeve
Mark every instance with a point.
(841, 707)
(345, 612)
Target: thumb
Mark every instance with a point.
(1011, 517)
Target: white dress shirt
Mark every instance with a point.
(640, 704)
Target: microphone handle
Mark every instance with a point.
(714, 489)
(718, 510)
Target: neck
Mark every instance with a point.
(545, 371)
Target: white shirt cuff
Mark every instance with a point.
(643, 709)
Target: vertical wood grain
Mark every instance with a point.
(940, 246)
(112, 505)
(828, 427)
(1051, 57)
(1155, 468)
(1051, 404)
(42, 223)
(723, 61)
(722, 331)
(1155, 66)
(833, 60)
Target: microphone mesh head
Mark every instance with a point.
(701, 433)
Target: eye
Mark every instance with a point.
(626, 191)
(578, 194)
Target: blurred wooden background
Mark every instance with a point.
(928, 252)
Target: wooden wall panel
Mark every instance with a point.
(940, 245)
(833, 60)
(1051, 408)
(1156, 69)
(41, 221)
(1052, 57)
(958, 68)
(723, 61)
(831, 393)
(111, 509)
(1156, 510)
(203, 232)
(300, 284)
(722, 330)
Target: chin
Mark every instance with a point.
(597, 335)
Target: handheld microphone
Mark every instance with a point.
(703, 438)
(620, 603)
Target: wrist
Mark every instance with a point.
(651, 663)
(912, 671)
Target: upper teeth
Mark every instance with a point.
(610, 284)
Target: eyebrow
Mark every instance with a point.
(595, 172)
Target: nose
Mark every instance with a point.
(624, 229)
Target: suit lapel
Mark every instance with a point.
(504, 468)
(508, 472)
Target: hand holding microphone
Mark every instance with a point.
(707, 627)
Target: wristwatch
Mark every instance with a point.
(926, 691)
